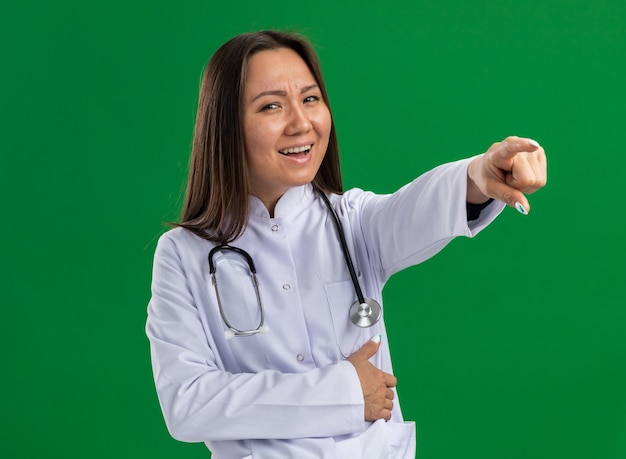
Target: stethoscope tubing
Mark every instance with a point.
(344, 245)
(364, 313)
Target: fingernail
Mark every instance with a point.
(520, 208)
(534, 143)
(376, 338)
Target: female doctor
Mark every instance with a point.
(286, 366)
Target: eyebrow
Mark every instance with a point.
(277, 92)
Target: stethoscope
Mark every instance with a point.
(363, 313)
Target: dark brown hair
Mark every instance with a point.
(216, 200)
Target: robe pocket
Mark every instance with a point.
(349, 337)
(401, 440)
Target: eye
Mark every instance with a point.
(310, 99)
(272, 106)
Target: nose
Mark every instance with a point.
(298, 122)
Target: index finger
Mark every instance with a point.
(390, 380)
(513, 145)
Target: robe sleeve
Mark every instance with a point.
(413, 224)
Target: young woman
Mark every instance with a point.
(266, 334)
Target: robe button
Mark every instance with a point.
(275, 228)
(300, 357)
(286, 287)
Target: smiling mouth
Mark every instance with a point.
(304, 149)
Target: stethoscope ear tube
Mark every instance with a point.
(241, 252)
(231, 332)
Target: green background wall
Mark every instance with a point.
(515, 347)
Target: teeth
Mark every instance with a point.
(301, 149)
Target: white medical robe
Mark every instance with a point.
(291, 393)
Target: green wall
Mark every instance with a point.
(511, 345)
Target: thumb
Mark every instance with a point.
(369, 348)
(512, 197)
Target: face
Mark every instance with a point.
(286, 124)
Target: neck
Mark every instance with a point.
(268, 202)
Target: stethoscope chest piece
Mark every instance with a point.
(365, 314)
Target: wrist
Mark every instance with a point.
(474, 195)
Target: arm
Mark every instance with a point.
(417, 221)
(421, 218)
(202, 402)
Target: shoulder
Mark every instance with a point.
(179, 241)
(355, 200)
